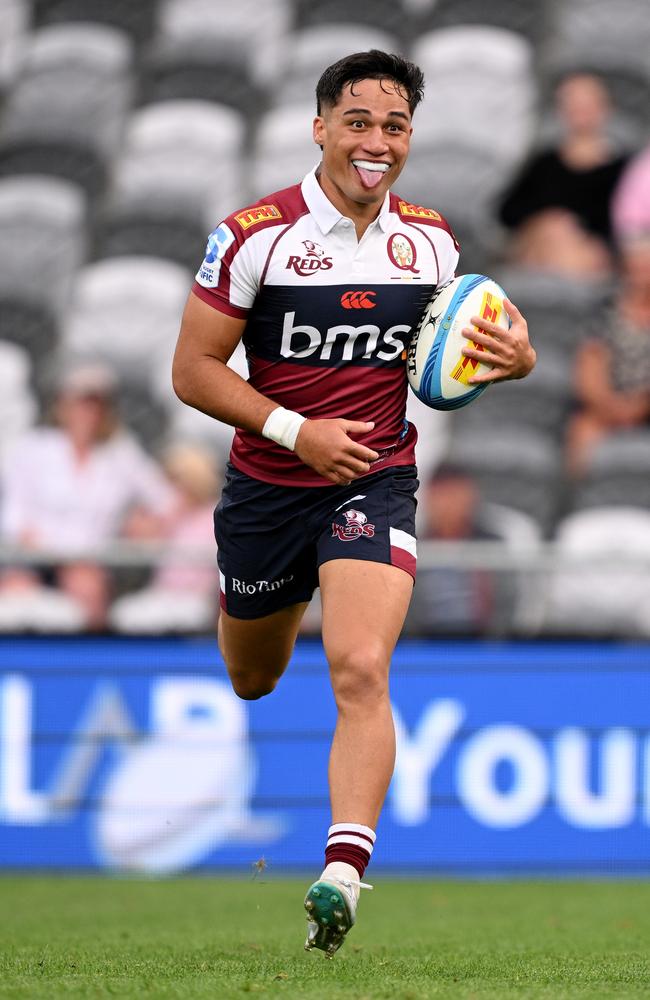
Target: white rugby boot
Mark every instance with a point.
(331, 906)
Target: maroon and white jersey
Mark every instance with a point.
(328, 317)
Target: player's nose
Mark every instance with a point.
(374, 141)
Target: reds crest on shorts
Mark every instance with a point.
(356, 525)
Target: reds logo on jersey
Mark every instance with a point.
(313, 260)
(356, 525)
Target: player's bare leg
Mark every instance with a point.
(364, 606)
(257, 651)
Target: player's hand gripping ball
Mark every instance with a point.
(438, 371)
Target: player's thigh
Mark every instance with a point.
(364, 607)
(256, 651)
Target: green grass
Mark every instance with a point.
(221, 938)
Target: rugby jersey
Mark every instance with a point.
(328, 317)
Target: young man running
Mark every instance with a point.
(325, 281)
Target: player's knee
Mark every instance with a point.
(359, 676)
(252, 687)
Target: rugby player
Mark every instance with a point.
(325, 281)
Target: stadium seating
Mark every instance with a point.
(18, 407)
(515, 467)
(560, 310)
(14, 18)
(313, 48)
(369, 13)
(275, 166)
(225, 100)
(259, 34)
(136, 19)
(541, 402)
(85, 72)
(480, 90)
(126, 311)
(595, 594)
(529, 19)
(618, 473)
(42, 245)
(179, 174)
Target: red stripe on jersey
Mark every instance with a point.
(353, 392)
(213, 298)
(403, 560)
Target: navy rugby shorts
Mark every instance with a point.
(272, 539)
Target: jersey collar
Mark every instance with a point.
(324, 212)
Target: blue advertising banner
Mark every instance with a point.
(136, 755)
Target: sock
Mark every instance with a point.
(350, 844)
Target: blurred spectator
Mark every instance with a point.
(182, 596)
(631, 205)
(71, 487)
(454, 600)
(559, 206)
(612, 369)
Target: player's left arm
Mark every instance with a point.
(508, 351)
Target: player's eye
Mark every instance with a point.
(358, 123)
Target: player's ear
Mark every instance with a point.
(318, 131)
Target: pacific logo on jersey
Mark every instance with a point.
(313, 260)
(218, 242)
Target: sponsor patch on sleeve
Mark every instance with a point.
(260, 213)
(418, 212)
(218, 242)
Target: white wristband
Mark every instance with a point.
(282, 426)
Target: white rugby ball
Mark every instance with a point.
(438, 371)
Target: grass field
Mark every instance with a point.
(215, 937)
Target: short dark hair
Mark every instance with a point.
(372, 65)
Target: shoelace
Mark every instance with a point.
(348, 883)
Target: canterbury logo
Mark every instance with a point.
(358, 300)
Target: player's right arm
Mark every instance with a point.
(202, 379)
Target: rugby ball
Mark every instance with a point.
(438, 371)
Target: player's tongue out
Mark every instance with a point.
(370, 173)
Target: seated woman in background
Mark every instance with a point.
(70, 488)
(612, 367)
(559, 206)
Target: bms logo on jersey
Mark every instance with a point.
(218, 243)
(344, 342)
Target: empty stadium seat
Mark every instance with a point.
(606, 580)
(529, 19)
(584, 31)
(136, 19)
(42, 244)
(276, 165)
(127, 311)
(42, 237)
(542, 401)
(181, 158)
(515, 467)
(480, 89)
(370, 13)
(18, 407)
(14, 18)
(258, 33)
(174, 72)
(84, 71)
(315, 48)
(618, 473)
(560, 310)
